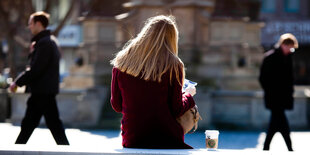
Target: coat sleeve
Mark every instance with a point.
(116, 97)
(266, 77)
(181, 102)
(40, 62)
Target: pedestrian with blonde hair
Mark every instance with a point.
(146, 87)
(277, 80)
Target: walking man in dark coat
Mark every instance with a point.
(42, 80)
(276, 79)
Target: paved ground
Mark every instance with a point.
(112, 140)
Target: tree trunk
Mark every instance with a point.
(62, 23)
(11, 55)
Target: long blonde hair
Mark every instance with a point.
(153, 52)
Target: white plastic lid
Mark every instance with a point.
(212, 133)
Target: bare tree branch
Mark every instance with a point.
(62, 23)
(48, 6)
(23, 13)
(13, 17)
(31, 7)
(21, 41)
(3, 14)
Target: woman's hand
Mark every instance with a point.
(13, 87)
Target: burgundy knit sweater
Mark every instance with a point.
(150, 110)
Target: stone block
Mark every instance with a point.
(204, 107)
(77, 108)
(230, 109)
(3, 105)
(79, 78)
(245, 110)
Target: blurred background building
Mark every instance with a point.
(221, 43)
(289, 16)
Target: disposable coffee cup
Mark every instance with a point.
(212, 137)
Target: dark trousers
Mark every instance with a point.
(38, 106)
(278, 122)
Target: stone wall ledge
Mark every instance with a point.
(252, 93)
(20, 150)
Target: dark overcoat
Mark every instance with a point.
(276, 79)
(42, 77)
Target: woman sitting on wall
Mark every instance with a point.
(146, 87)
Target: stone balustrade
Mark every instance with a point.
(246, 110)
(219, 109)
(77, 108)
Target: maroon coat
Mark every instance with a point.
(150, 110)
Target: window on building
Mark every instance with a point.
(291, 6)
(268, 6)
